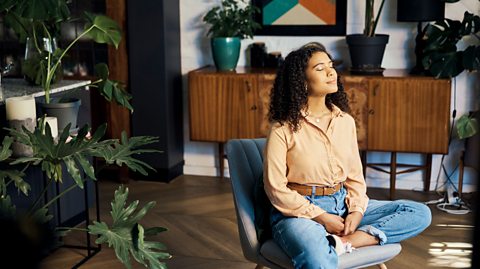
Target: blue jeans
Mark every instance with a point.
(304, 240)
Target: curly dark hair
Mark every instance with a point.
(289, 96)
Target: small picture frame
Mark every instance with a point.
(301, 17)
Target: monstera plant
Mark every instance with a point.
(443, 59)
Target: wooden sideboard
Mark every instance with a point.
(394, 112)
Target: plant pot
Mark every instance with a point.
(225, 51)
(65, 110)
(366, 53)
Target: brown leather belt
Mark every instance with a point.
(319, 191)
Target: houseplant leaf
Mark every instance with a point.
(466, 127)
(105, 30)
(111, 88)
(121, 237)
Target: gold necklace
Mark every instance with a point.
(318, 117)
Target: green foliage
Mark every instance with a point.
(441, 55)
(371, 19)
(112, 89)
(230, 20)
(38, 19)
(466, 127)
(121, 152)
(127, 236)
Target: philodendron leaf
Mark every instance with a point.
(17, 178)
(5, 150)
(122, 153)
(104, 29)
(126, 235)
(112, 88)
(6, 207)
(466, 127)
(42, 215)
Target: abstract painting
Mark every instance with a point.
(301, 17)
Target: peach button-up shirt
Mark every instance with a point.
(313, 157)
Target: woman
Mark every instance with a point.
(313, 173)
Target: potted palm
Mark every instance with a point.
(229, 23)
(366, 50)
(39, 23)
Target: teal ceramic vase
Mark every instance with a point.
(225, 51)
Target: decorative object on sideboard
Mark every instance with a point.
(258, 54)
(274, 59)
(366, 50)
(420, 11)
(229, 23)
(21, 113)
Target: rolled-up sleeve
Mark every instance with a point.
(357, 199)
(285, 200)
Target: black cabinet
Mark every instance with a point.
(155, 82)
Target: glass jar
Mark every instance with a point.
(34, 66)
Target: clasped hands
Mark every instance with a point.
(337, 225)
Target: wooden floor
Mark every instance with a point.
(200, 216)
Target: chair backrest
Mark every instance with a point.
(245, 162)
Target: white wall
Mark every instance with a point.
(201, 157)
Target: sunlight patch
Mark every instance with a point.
(450, 254)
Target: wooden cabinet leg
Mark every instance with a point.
(221, 153)
(363, 157)
(428, 172)
(393, 174)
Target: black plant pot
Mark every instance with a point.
(366, 53)
(65, 110)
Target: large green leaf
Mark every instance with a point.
(105, 30)
(125, 236)
(42, 9)
(111, 88)
(466, 127)
(16, 177)
(5, 150)
(122, 153)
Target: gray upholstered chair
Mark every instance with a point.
(245, 160)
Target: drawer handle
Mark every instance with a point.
(254, 107)
(375, 89)
(249, 85)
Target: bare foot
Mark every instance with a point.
(360, 239)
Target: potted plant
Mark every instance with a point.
(366, 50)
(229, 23)
(40, 23)
(126, 235)
(443, 59)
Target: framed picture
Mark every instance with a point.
(302, 17)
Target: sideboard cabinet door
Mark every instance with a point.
(408, 115)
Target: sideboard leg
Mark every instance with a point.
(393, 174)
(428, 172)
(221, 155)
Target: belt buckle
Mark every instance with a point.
(332, 189)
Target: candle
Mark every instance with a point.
(52, 122)
(21, 108)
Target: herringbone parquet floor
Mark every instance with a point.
(200, 216)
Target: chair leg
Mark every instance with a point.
(382, 266)
(259, 266)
